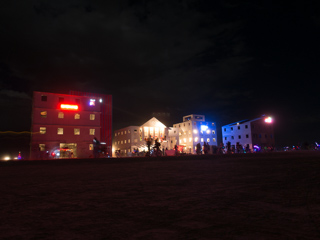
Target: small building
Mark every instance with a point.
(63, 126)
(132, 139)
(249, 134)
(193, 130)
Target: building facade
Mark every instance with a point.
(249, 134)
(193, 130)
(63, 126)
(129, 139)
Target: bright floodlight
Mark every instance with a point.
(268, 120)
(6, 158)
(204, 127)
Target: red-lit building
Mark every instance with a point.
(63, 126)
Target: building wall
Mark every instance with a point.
(75, 131)
(193, 130)
(240, 133)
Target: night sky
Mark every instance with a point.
(228, 60)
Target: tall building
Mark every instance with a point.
(255, 134)
(193, 130)
(64, 126)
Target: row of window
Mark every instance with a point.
(61, 115)
(194, 123)
(247, 136)
(181, 140)
(44, 98)
(76, 131)
(125, 132)
(195, 131)
(239, 127)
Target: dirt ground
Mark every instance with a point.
(243, 196)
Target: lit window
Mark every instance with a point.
(128, 140)
(213, 132)
(43, 114)
(195, 131)
(135, 140)
(60, 115)
(43, 98)
(92, 116)
(190, 139)
(208, 131)
(91, 146)
(213, 140)
(180, 141)
(185, 140)
(100, 100)
(118, 142)
(125, 132)
(43, 130)
(115, 143)
(60, 131)
(92, 102)
(121, 133)
(76, 131)
(201, 139)
(77, 116)
(208, 139)
(195, 139)
(42, 147)
(125, 141)
(115, 134)
(92, 131)
(128, 131)
(121, 142)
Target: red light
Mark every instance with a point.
(69, 107)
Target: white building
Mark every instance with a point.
(255, 133)
(193, 130)
(126, 140)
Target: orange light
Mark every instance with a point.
(69, 107)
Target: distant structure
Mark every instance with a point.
(252, 135)
(193, 130)
(64, 126)
(133, 138)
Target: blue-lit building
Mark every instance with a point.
(254, 134)
(193, 130)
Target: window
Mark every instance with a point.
(76, 131)
(43, 114)
(115, 134)
(115, 143)
(128, 131)
(121, 142)
(135, 140)
(128, 140)
(239, 136)
(43, 98)
(190, 139)
(77, 116)
(91, 146)
(125, 132)
(42, 147)
(92, 131)
(125, 141)
(213, 132)
(92, 116)
(208, 131)
(60, 115)
(201, 139)
(195, 139)
(247, 136)
(224, 129)
(231, 128)
(195, 131)
(135, 130)
(246, 126)
(60, 131)
(212, 124)
(225, 138)
(61, 99)
(92, 102)
(208, 139)
(43, 130)
(238, 127)
(189, 131)
(121, 133)
(232, 137)
(213, 140)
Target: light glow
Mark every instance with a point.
(268, 120)
(92, 102)
(69, 107)
(204, 127)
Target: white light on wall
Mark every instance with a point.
(195, 131)
(204, 127)
(100, 100)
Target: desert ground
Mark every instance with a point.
(241, 196)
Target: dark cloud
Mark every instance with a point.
(225, 59)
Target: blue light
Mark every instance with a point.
(204, 127)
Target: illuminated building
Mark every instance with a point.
(193, 130)
(257, 133)
(64, 126)
(127, 139)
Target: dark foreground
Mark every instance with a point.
(257, 196)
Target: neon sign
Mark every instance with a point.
(69, 107)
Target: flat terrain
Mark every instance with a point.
(243, 196)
